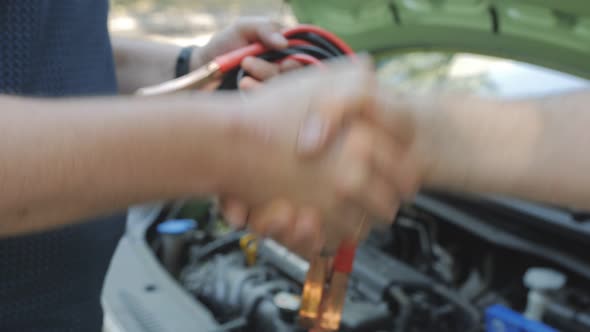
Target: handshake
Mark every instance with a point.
(323, 155)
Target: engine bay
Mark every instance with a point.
(442, 266)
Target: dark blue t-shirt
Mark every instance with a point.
(52, 281)
(55, 48)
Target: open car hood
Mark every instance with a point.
(550, 33)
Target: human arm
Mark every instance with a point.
(531, 148)
(66, 159)
(141, 63)
(63, 160)
(535, 149)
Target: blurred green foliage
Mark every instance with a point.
(175, 18)
(194, 5)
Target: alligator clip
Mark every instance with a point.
(334, 295)
(324, 291)
(313, 291)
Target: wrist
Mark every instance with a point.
(427, 116)
(256, 145)
(199, 58)
(413, 121)
(438, 141)
(238, 152)
(457, 140)
(205, 154)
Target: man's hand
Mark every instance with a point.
(399, 159)
(242, 33)
(261, 71)
(355, 185)
(142, 63)
(280, 218)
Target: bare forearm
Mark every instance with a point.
(141, 63)
(64, 160)
(536, 149)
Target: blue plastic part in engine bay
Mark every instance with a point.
(502, 319)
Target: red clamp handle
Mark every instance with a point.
(344, 259)
(233, 59)
(304, 28)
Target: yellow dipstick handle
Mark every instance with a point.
(249, 245)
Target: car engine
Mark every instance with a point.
(443, 266)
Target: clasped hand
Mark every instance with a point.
(328, 154)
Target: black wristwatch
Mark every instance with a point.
(183, 62)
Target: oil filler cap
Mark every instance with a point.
(288, 305)
(541, 282)
(544, 279)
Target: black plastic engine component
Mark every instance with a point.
(378, 272)
(423, 275)
(366, 316)
(231, 290)
(219, 277)
(567, 319)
